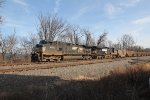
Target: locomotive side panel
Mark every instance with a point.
(51, 50)
(73, 50)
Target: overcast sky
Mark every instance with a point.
(116, 17)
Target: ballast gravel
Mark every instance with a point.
(91, 71)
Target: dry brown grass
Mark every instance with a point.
(136, 68)
(124, 83)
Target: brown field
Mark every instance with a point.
(123, 83)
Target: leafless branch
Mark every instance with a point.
(127, 41)
(101, 40)
(89, 41)
(50, 27)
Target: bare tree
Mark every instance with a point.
(89, 41)
(147, 49)
(72, 35)
(77, 34)
(26, 49)
(137, 48)
(32, 39)
(3, 46)
(11, 42)
(8, 45)
(117, 46)
(102, 39)
(27, 43)
(2, 39)
(50, 27)
(127, 41)
(110, 44)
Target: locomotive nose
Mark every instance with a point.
(34, 57)
(34, 53)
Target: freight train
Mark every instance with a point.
(56, 51)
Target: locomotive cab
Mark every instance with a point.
(35, 53)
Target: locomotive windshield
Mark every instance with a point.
(38, 45)
(45, 42)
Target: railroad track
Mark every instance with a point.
(139, 61)
(45, 65)
(48, 65)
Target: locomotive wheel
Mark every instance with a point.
(83, 57)
(34, 58)
(47, 60)
(90, 58)
(58, 59)
(62, 58)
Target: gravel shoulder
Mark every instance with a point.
(91, 71)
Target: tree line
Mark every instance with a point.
(54, 28)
